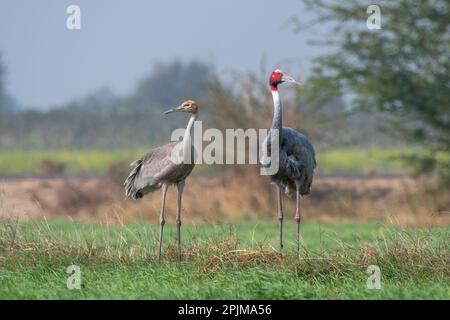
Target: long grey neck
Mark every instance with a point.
(187, 138)
(277, 113)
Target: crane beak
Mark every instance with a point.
(177, 109)
(287, 78)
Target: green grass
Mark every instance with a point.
(339, 161)
(76, 161)
(362, 161)
(221, 261)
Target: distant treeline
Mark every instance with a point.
(105, 120)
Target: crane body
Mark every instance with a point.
(296, 158)
(163, 167)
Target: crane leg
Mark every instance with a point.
(162, 221)
(180, 187)
(297, 220)
(280, 216)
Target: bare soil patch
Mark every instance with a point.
(227, 197)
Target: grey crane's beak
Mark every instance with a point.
(289, 79)
(177, 109)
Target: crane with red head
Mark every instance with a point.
(296, 157)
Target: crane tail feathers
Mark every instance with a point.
(130, 190)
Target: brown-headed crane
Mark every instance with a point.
(167, 165)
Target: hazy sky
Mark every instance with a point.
(120, 41)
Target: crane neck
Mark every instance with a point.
(277, 122)
(187, 136)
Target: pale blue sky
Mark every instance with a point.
(121, 40)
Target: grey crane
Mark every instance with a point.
(296, 158)
(167, 165)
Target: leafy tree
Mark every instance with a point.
(402, 69)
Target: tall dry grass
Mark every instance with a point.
(230, 196)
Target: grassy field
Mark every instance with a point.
(221, 261)
(76, 161)
(341, 161)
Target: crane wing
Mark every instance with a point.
(296, 160)
(149, 170)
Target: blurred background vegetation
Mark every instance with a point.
(400, 71)
(376, 102)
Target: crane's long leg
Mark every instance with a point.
(297, 219)
(161, 220)
(280, 216)
(180, 187)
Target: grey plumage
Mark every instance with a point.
(296, 161)
(162, 167)
(296, 157)
(155, 169)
